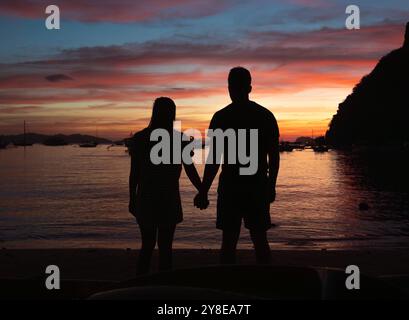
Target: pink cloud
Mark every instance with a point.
(280, 62)
(113, 10)
(323, 53)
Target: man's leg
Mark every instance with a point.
(148, 235)
(165, 241)
(229, 245)
(261, 246)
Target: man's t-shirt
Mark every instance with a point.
(247, 116)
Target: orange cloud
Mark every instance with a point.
(105, 81)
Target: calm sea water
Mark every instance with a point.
(63, 197)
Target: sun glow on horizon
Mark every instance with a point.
(103, 70)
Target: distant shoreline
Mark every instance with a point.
(36, 138)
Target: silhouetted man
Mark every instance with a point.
(244, 197)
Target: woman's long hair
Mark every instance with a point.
(163, 114)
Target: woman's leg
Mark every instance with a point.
(165, 241)
(148, 235)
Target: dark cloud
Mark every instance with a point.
(57, 77)
(123, 11)
(17, 110)
(284, 61)
(326, 44)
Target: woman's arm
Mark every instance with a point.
(133, 183)
(193, 175)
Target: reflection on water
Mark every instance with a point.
(77, 197)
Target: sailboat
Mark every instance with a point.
(23, 143)
(319, 147)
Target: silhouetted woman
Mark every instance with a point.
(154, 189)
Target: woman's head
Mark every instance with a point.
(163, 113)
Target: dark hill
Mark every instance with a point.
(376, 112)
(304, 140)
(41, 138)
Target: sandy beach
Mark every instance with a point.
(118, 265)
(88, 271)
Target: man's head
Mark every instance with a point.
(239, 84)
(406, 43)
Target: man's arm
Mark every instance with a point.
(273, 167)
(212, 163)
(210, 172)
(274, 161)
(193, 176)
(201, 200)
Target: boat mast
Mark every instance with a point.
(24, 136)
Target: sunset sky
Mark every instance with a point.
(111, 58)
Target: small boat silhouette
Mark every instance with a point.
(320, 148)
(92, 144)
(23, 143)
(286, 147)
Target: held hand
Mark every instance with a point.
(201, 201)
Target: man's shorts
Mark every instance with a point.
(250, 204)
